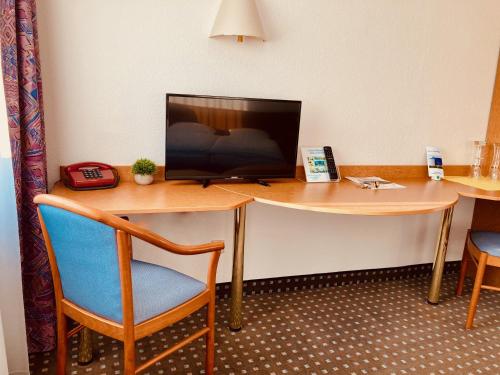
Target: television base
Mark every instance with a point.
(261, 182)
(206, 182)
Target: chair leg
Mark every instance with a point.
(129, 357)
(62, 343)
(481, 266)
(210, 338)
(463, 272)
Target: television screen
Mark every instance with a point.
(210, 137)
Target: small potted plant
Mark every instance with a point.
(143, 170)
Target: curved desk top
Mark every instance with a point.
(471, 192)
(162, 196)
(482, 188)
(420, 196)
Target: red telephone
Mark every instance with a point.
(90, 176)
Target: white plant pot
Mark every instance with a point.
(143, 179)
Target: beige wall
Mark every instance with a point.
(379, 81)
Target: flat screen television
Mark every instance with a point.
(213, 137)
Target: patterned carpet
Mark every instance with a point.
(369, 328)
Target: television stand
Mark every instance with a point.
(206, 182)
(261, 182)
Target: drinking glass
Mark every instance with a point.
(495, 161)
(478, 150)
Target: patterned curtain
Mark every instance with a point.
(23, 94)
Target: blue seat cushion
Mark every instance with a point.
(158, 289)
(488, 242)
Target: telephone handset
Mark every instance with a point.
(319, 164)
(90, 176)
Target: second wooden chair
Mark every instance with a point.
(482, 248)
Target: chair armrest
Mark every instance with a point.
(161, 242)
(126, 226)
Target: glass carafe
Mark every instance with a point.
(478, 150)
(495, 161)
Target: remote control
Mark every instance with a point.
(330, 162)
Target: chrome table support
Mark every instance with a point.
(236, 315)
(440, 256)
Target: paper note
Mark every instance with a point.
(374, 182)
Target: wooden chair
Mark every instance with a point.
(482, 248)
(100, 286)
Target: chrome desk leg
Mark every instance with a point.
(237, 278)
(85, 348)
(440, 257)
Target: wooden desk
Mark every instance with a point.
(471, 192)
(420, 196)
(160, 197)
(486, 212)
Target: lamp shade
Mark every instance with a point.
(239, 18)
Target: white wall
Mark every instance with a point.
(11, 295)
(379, 80)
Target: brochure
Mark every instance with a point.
(434, 163)
(315, 166)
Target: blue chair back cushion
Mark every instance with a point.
(488, 242)
(87, 259)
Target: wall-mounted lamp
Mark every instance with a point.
(238, 18)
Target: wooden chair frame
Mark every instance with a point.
(128, 332)
(482, 260)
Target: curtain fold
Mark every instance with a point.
(23, 94)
